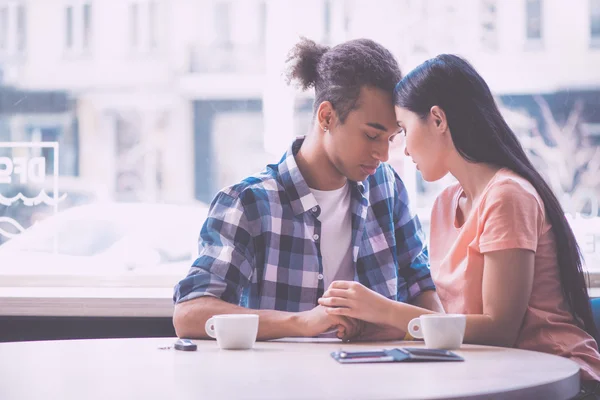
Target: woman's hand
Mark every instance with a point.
(352, 299)
(318, 321)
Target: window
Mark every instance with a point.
(348, 10)
(69, 27)
(223, 23)
(262, 27)
(143, 26)
(327, 21)
(533, 16)
(78, 27)
(489, 28)
(21, 28)
(420, 12)
(3, 28)
(152, 24)
(134, 21)
(595, 23)
(87, 25)
(13, 28)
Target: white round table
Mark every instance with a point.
(285, 369)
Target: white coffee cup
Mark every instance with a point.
(440, 331)
(233, 331)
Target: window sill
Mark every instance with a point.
(86, 302)
(97, 302)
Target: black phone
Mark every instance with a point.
(185, 345)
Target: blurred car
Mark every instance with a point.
(72, 191)
(106, 244)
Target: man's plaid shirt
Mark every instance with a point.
(260, 247)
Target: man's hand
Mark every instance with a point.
(352, 299)
(318, 321)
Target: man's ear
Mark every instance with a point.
(439, 118)
(326, 116)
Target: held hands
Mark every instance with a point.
(358, 313)
(352, 299)
(317, 321)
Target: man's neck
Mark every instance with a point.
(315, 166)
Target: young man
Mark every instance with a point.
(330, 210)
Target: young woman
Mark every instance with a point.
(502, 251)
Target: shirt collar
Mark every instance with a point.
(300, 195)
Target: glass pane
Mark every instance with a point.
(595, 18)
(327, 21)
(3, 27)
(152, 22)
(158, 137)
(74, 237)
(534, 19)
(69, 27)
(134, 25)
(489, 29)
(21, 27)
(223, 23)
(87, 25)
(262, 23)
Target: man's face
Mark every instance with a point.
(362, 142)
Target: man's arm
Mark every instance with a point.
(414, 277)
(223, 269)
(190, 319)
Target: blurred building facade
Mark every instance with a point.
(174, 99)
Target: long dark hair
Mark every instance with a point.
(481, 135)
(338, 73)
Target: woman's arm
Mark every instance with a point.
(507, 284)
(428, 300)
(354, 300)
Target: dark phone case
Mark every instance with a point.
(406, 354)
(185, 345)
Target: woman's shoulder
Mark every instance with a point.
(509, 187)
(507, 183)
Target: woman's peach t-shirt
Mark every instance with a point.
(510, 215)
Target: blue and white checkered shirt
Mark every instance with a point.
(260, 248)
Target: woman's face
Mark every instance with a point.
(424, 142)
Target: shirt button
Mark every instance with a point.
(316, 237)
(320, 277)
(314, 209)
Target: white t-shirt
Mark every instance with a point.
(336, 234)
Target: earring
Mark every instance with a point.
(325, 129)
